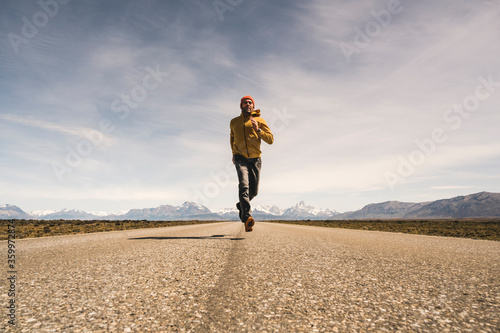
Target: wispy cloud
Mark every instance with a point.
(42, 124)
(451, 187)
(351, 120)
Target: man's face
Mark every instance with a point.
(247, 105)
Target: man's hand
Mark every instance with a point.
(255, 125)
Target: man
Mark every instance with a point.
(247, 131)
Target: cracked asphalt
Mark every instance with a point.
(278, 278)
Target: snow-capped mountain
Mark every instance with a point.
(104, 214)
(187, 211)
(230, 214)
(38, 213)
(479, 205)
(273, 210)
(303, 211)
(192, 208)
(297, 212)
(69, 214)
(226, 211)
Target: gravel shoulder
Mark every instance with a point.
(279, 278)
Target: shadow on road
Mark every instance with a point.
(189, 237)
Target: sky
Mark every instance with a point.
(112, 105)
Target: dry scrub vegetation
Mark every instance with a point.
(465, 228)
(43, 228)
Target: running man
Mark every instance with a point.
(247, 132)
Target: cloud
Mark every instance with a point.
(45, 125)
(338, 125)
(451, 187)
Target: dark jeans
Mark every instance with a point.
(248, 177)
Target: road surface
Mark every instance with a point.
(278, 278)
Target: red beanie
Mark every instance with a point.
(247, 97)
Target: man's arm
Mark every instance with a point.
(265, 132)
(231, 141)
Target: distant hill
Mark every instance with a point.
(384, 210)
(12, 212)
(478, 205)
(483, 204)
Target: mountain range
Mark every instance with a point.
(478, 205)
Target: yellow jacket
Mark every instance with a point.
(245, 141)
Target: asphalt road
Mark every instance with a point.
(278, 278)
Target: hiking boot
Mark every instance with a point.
(249, 224)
